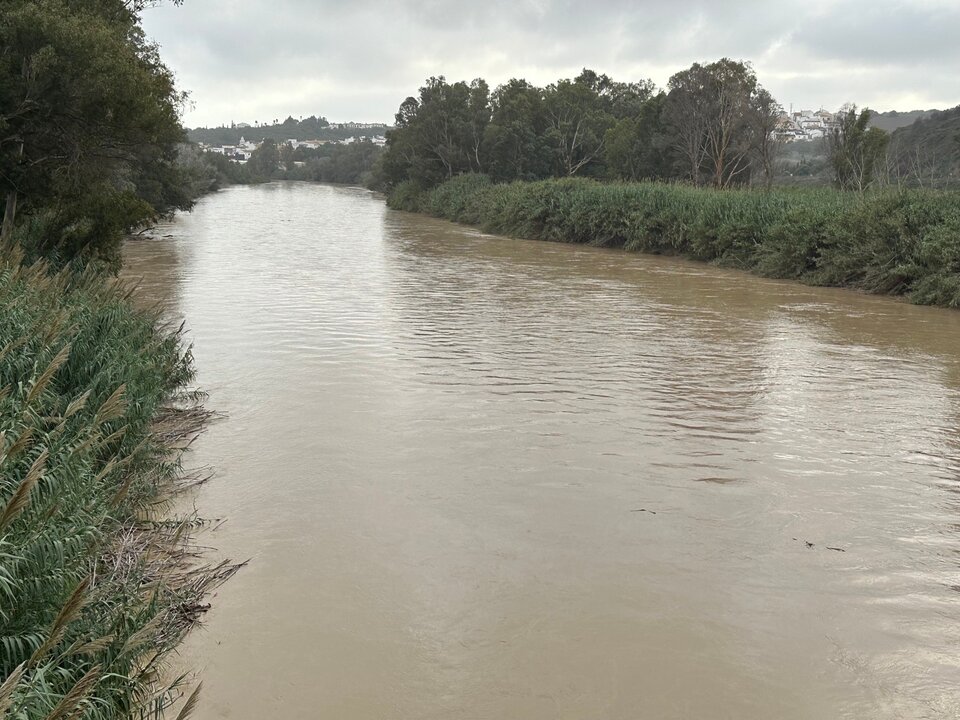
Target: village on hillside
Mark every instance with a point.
(806, 125)
(242, 150)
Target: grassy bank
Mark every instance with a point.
(896, 243)
(95, 589)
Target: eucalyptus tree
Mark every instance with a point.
(89, 126)
(856, 149)
(637, 147)
(577, 122)
(438, 134)
(765, 113)
(619, 99)
(687, 113)
(478, 118)
(514, 140)
(713, 113)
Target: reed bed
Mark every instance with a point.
(904, 243)
(95, 588)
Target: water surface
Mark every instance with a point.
(481, 477)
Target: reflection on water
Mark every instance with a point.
(489, 478)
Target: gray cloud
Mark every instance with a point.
(264, 59)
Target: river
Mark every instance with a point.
(480, 477)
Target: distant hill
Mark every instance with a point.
(927, 152)
(894, 120)
(311, 128)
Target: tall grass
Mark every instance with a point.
(898, 242)
(95, 590)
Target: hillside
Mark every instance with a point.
(927, 152)
(893, 120)
(311, 128)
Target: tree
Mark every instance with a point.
(717, 113)
(478, 112)
(856, 150)
(731, 92)
(577, 123)
(265, 160)
(688, 114)
(514, 141)
(438, 134)
(89, 127)
(620, 99)
(765, 113)
(636, 147)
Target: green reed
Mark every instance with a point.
(95, 590)
(889, 241)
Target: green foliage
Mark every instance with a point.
(898, 243)
(517, 132)
(454, 200)
(515, 143)
(91, 596)
(927, 153)
(636, 148)
(264, 162)
(856, 150)
(577, 123)
(352, 164)
(438, 134)
(719, 121)
(89, 127)
(716, 122)
(406, 195)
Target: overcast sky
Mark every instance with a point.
(247, 60)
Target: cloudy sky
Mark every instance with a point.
(247, 60)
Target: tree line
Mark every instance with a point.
(350, 164)
(712, 125)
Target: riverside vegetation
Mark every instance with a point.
(897, 243)
(688, 171)
(95, 588)
(97, 584)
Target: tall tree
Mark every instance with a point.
(478, 118)
(620, 99)
(514, 140)
(636, 147)
(715, 113)
(765, 113)
(577, 123)
(688, 114)
(856, 149)
(730, 93)
(89, 126)
(439, 134)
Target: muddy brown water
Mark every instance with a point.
(481, 477)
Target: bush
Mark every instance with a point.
(406, 196)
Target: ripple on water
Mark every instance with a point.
(483, 477)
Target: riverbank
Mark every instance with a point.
(894, 243)
(97, 585)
